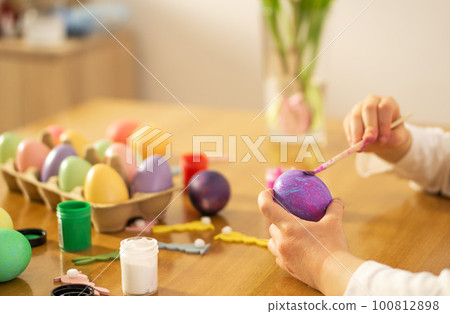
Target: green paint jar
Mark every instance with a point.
(74, 225)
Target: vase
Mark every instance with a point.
(293, 95)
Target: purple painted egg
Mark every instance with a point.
(54, 160)
(209, 192)
(304, 196)
(154, 175)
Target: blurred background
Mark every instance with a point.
(210, 52)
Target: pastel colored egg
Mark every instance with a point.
(31, 153)
(151, 141)
(100, 147)
(118, 131)
(72, 173)
(55, 132)
(120, 150)
(103, 185)
(8, 146)
(54, 160)
(15, 254)
(5, 220)
(304, 196)
(154, 175)
(78, 141)
(209, 192)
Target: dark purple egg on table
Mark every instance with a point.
(154, 175)
(209, 192)
(54, 159)
(305, 196)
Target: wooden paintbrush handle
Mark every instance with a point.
(400, 120)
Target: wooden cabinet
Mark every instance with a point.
(38, 81)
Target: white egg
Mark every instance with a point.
(227, 230)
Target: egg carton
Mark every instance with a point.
(105, 217)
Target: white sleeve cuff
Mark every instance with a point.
(426, 163)
(372, 278)
(368, 164)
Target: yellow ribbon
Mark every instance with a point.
(238, 237)
(189, 226)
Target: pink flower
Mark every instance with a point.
(295, 115)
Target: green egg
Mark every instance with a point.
(72, 173)
(8, 146)
(15, 254)
(101, 146)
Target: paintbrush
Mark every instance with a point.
(354, 148)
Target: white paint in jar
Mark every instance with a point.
(139, 265)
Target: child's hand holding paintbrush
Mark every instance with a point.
(371, 120)
(374, 125)
(323, 261)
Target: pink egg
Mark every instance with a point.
(55, 131)
(119, 131)
(31, 153)
(120, 150)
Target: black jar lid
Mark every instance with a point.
(73, 290)
(36, 237)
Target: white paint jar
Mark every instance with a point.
(139, 265)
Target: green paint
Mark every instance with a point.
(74, 219)
(32, 236)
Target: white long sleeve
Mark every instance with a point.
(427, 165)
(378, 279)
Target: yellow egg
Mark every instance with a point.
(103, 185)
(5, 220)
(78, 141)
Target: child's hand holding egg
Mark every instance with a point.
(304, 196)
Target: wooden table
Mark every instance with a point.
(384, 219)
